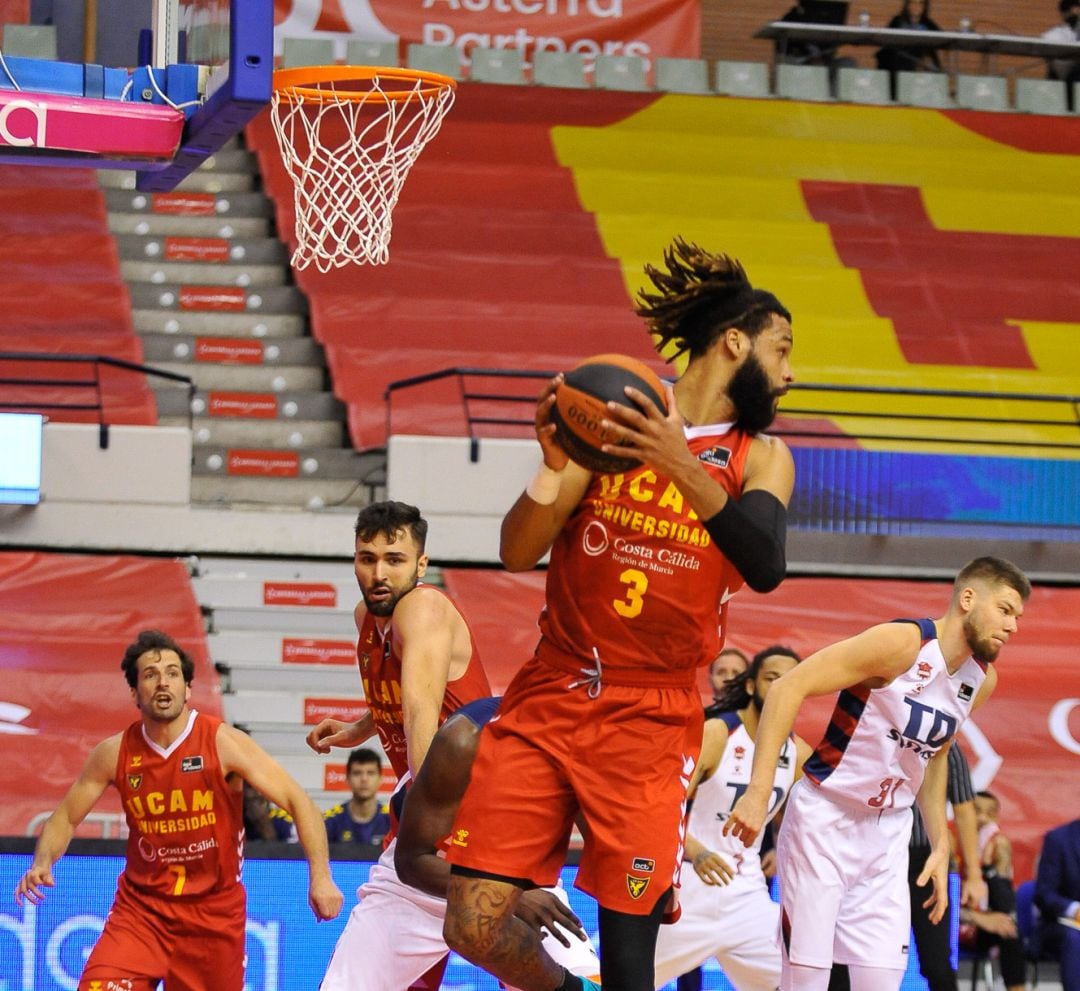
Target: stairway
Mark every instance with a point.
(212, 298)
(283, 639)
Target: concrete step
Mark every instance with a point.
(287, 708)
(189, 273)
(253, 648)
(287, 407)
(278, 597)
(283, 569)
(234, 349)
(331, 682)
(313, 494)
(260, 433)
(208, 324)
(235, 205)
(250, 378)
(162, 225)
(210, 251)
(197, 182)
(216, 299)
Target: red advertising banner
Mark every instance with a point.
(212, 298)
(346, 710)
(319, 594)
(283, 464)
(228, 350)
(646, 28)
(191, 204)
(257, 405)
(196, 249)
(302, 651)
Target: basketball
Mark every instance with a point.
(580, 407)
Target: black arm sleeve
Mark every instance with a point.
(751, 532)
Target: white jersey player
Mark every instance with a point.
(394, 935)
(905, 689)
(726, 909)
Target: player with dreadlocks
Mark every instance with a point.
(606, 718)
(726, 909)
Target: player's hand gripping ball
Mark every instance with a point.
(581, 407)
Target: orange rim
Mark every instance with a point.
(297, 83)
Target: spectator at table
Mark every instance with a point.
(914, 16)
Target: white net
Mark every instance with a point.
(348, 145)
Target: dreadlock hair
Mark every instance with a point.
(735, 696)
(699, 297)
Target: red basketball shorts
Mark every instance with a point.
(194, 945)
(624, 759)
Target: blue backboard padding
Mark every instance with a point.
(64, 78)
(891, 492)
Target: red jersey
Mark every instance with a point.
(380, 670)
(634, 574)
(186, 824)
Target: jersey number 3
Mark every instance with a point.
(633, 601)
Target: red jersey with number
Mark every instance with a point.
(186, 823)
(380, 670)
(635, 576)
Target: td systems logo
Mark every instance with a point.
(11, 716)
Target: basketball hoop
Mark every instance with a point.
(348, 136)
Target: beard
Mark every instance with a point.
(758, 701)
(982, 648)
(755, 401)
(385, 607)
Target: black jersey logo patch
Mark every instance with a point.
(643, 865)
(966, 692)
(716, 456)
(192, 763)
(636, 885)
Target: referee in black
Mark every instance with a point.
(933, 940)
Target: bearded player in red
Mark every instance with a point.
(606, 717)
(180, 910)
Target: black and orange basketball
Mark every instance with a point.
(581, 406)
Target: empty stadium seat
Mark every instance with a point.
(923, 89)
(297, 52)
(497, 65)
(625, 72)
(682, 75)
(359, 51)
(742, 78)
(981, 92)
(443, 59)
(30, 40)
(864, 85)
(566, 69)
(803, 82)
(1041, 96)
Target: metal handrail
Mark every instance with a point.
(1071, 419)
(95, 361)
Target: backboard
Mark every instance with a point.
(209, 74)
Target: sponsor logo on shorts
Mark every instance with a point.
(966, 692)
(717, 456)
(636, 885)
(460, 837)
(904, 949)
(643, 864)
(192, 763)
(134, 781)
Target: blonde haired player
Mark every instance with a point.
(906, 688)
